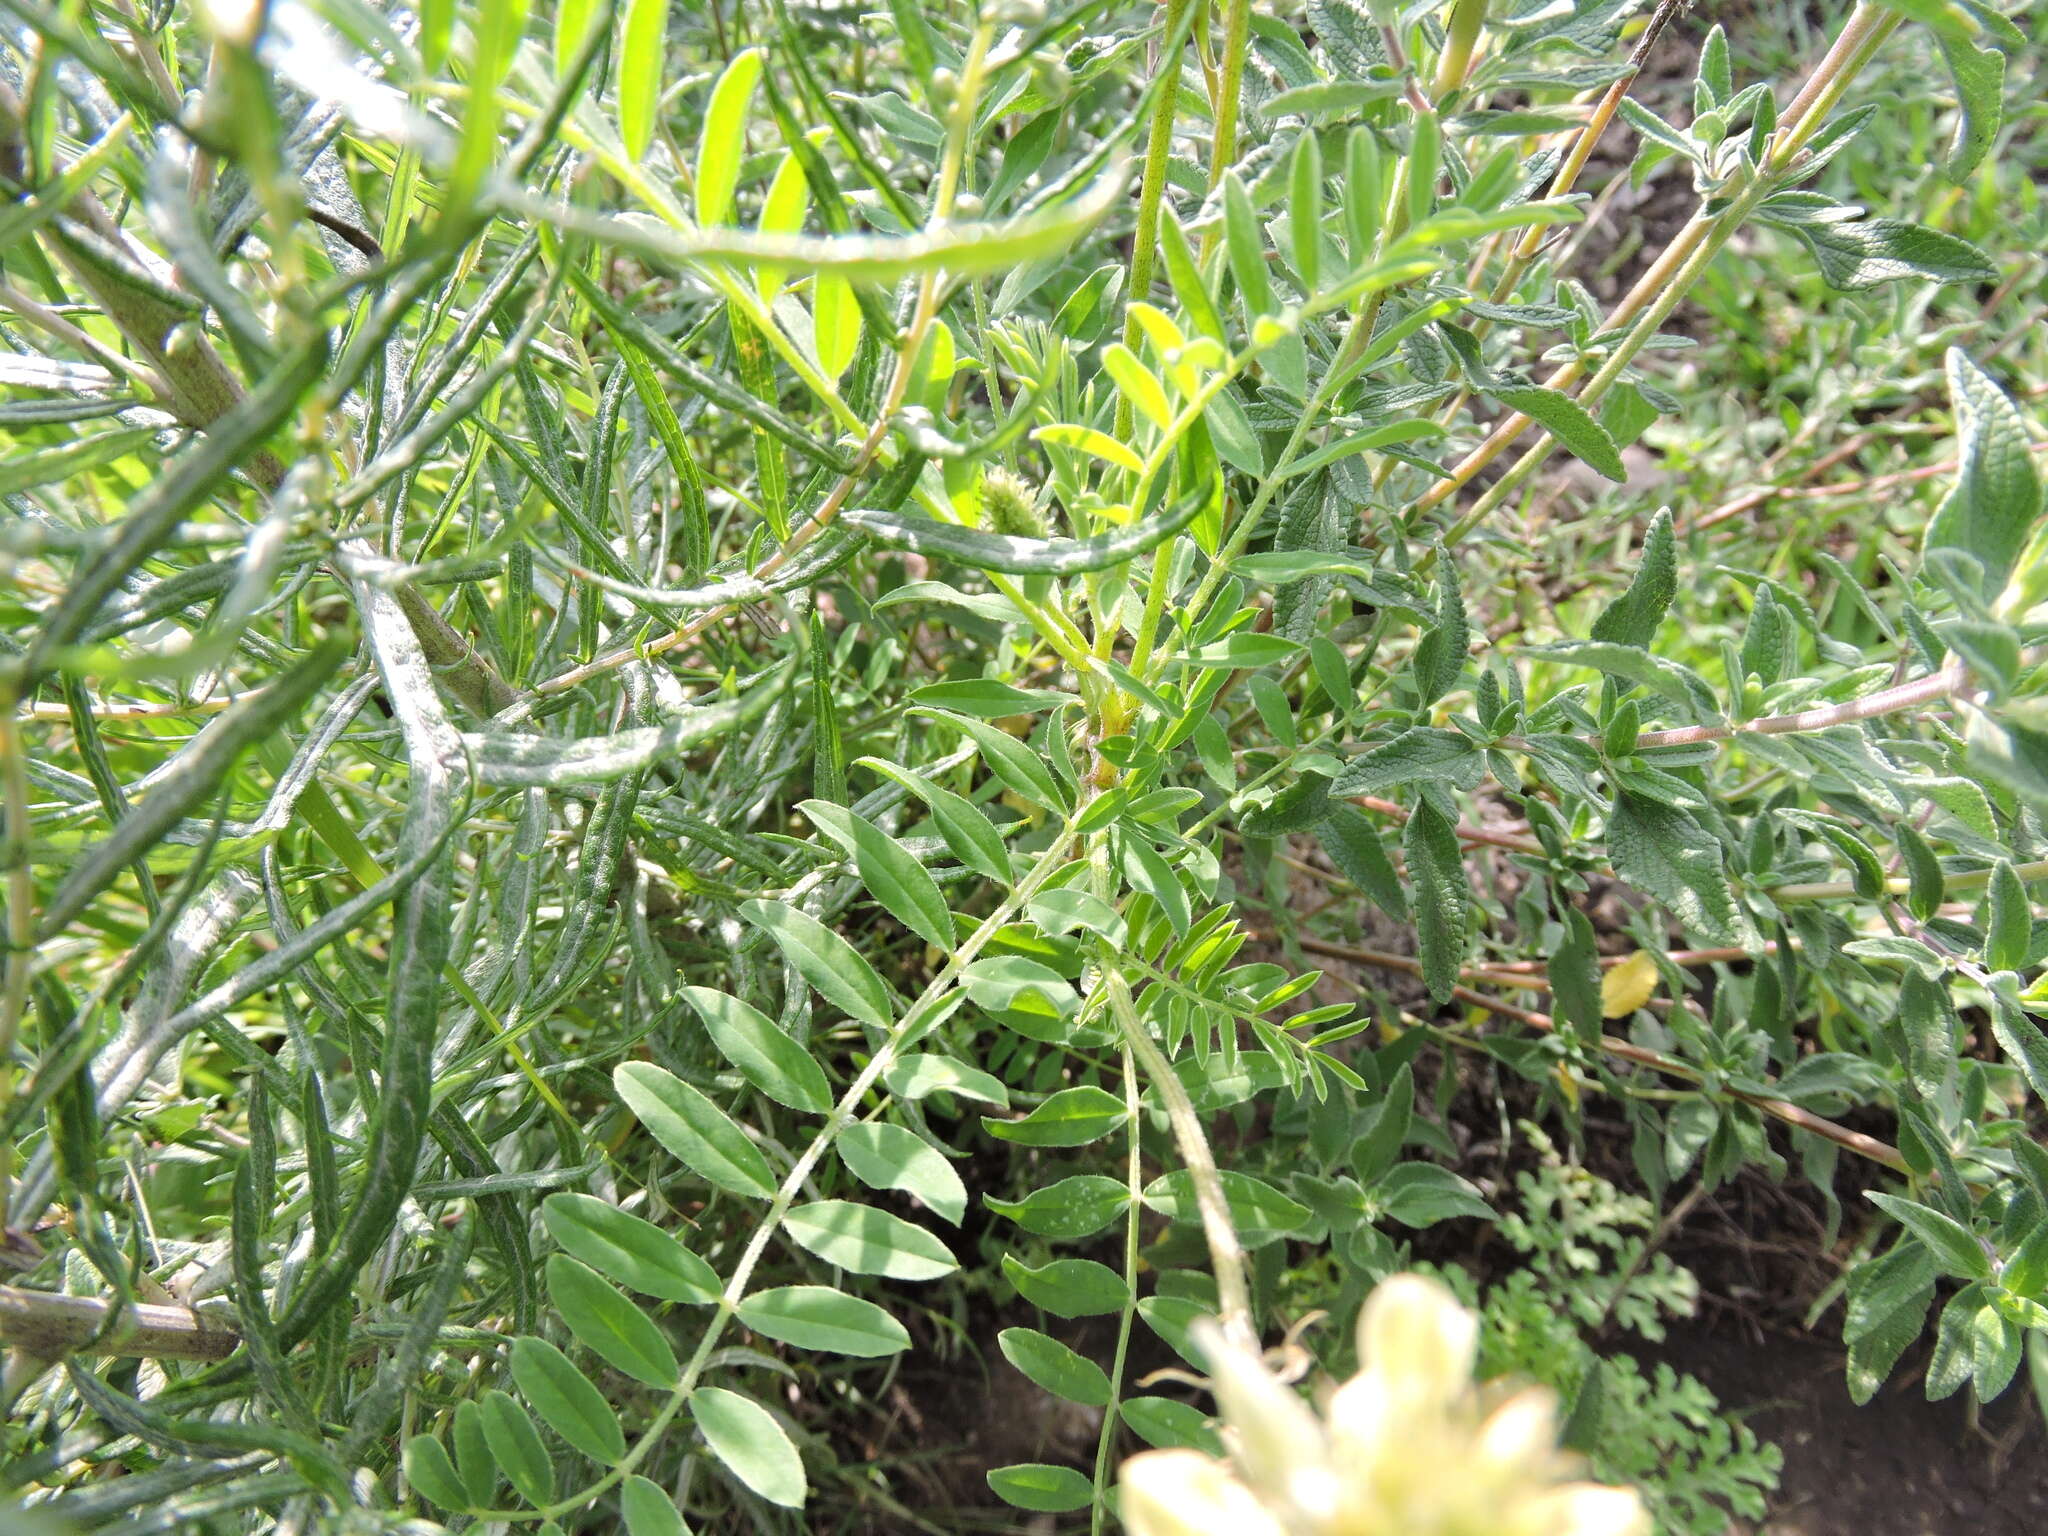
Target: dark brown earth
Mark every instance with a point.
(1898, 1466)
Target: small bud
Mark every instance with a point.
(943, 86)
(1008, 505)
(968, 206)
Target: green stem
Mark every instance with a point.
(21, 895)
(1237, 26)
(1460, 39)
(1134, 1182)
(1226, 1253)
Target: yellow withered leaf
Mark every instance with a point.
(1628, 986)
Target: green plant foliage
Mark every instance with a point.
(698, 702)
(1587, 1268)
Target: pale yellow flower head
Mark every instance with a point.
(1407, 1447)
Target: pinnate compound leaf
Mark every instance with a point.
(764, 1054)
(609, 1325)
(834, 968)
(696, 1130)
(818, 1317)
(746, 1437)
(567, 1400)
(867, 1241)
(884, 1156)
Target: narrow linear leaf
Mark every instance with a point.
(1018, 555)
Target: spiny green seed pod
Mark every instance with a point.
(1008, 505)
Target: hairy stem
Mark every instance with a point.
(1226, 1253)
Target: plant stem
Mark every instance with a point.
(1461, 36)
(1133, 1181)
(1237, 24)
(1924, 690)
(1151, 191)
(52, 1326)
(1226, 1253)
(1627, 1050)
(21, 927)
(1968, 880)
